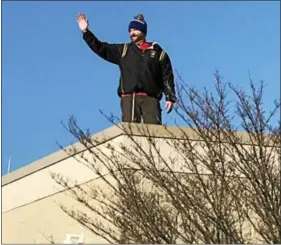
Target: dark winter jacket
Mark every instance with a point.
(147, 71)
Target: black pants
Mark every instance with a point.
(137, 107)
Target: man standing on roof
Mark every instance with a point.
(146, 71)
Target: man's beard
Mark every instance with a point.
(135, 38)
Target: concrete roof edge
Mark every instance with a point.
(58, 156)
(158, 131)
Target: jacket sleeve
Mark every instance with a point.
(168, 78)
(109, 52)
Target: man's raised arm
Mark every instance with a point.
(109, 52)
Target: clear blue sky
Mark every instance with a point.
(48, 72)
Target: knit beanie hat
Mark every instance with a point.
(138, 23)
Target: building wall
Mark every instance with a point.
(40, 184)
(30, 204)
(30, 207)
(35, 221)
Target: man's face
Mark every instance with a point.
(136, 35)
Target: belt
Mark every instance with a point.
(139, 93)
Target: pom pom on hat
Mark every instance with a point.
(138, 23)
